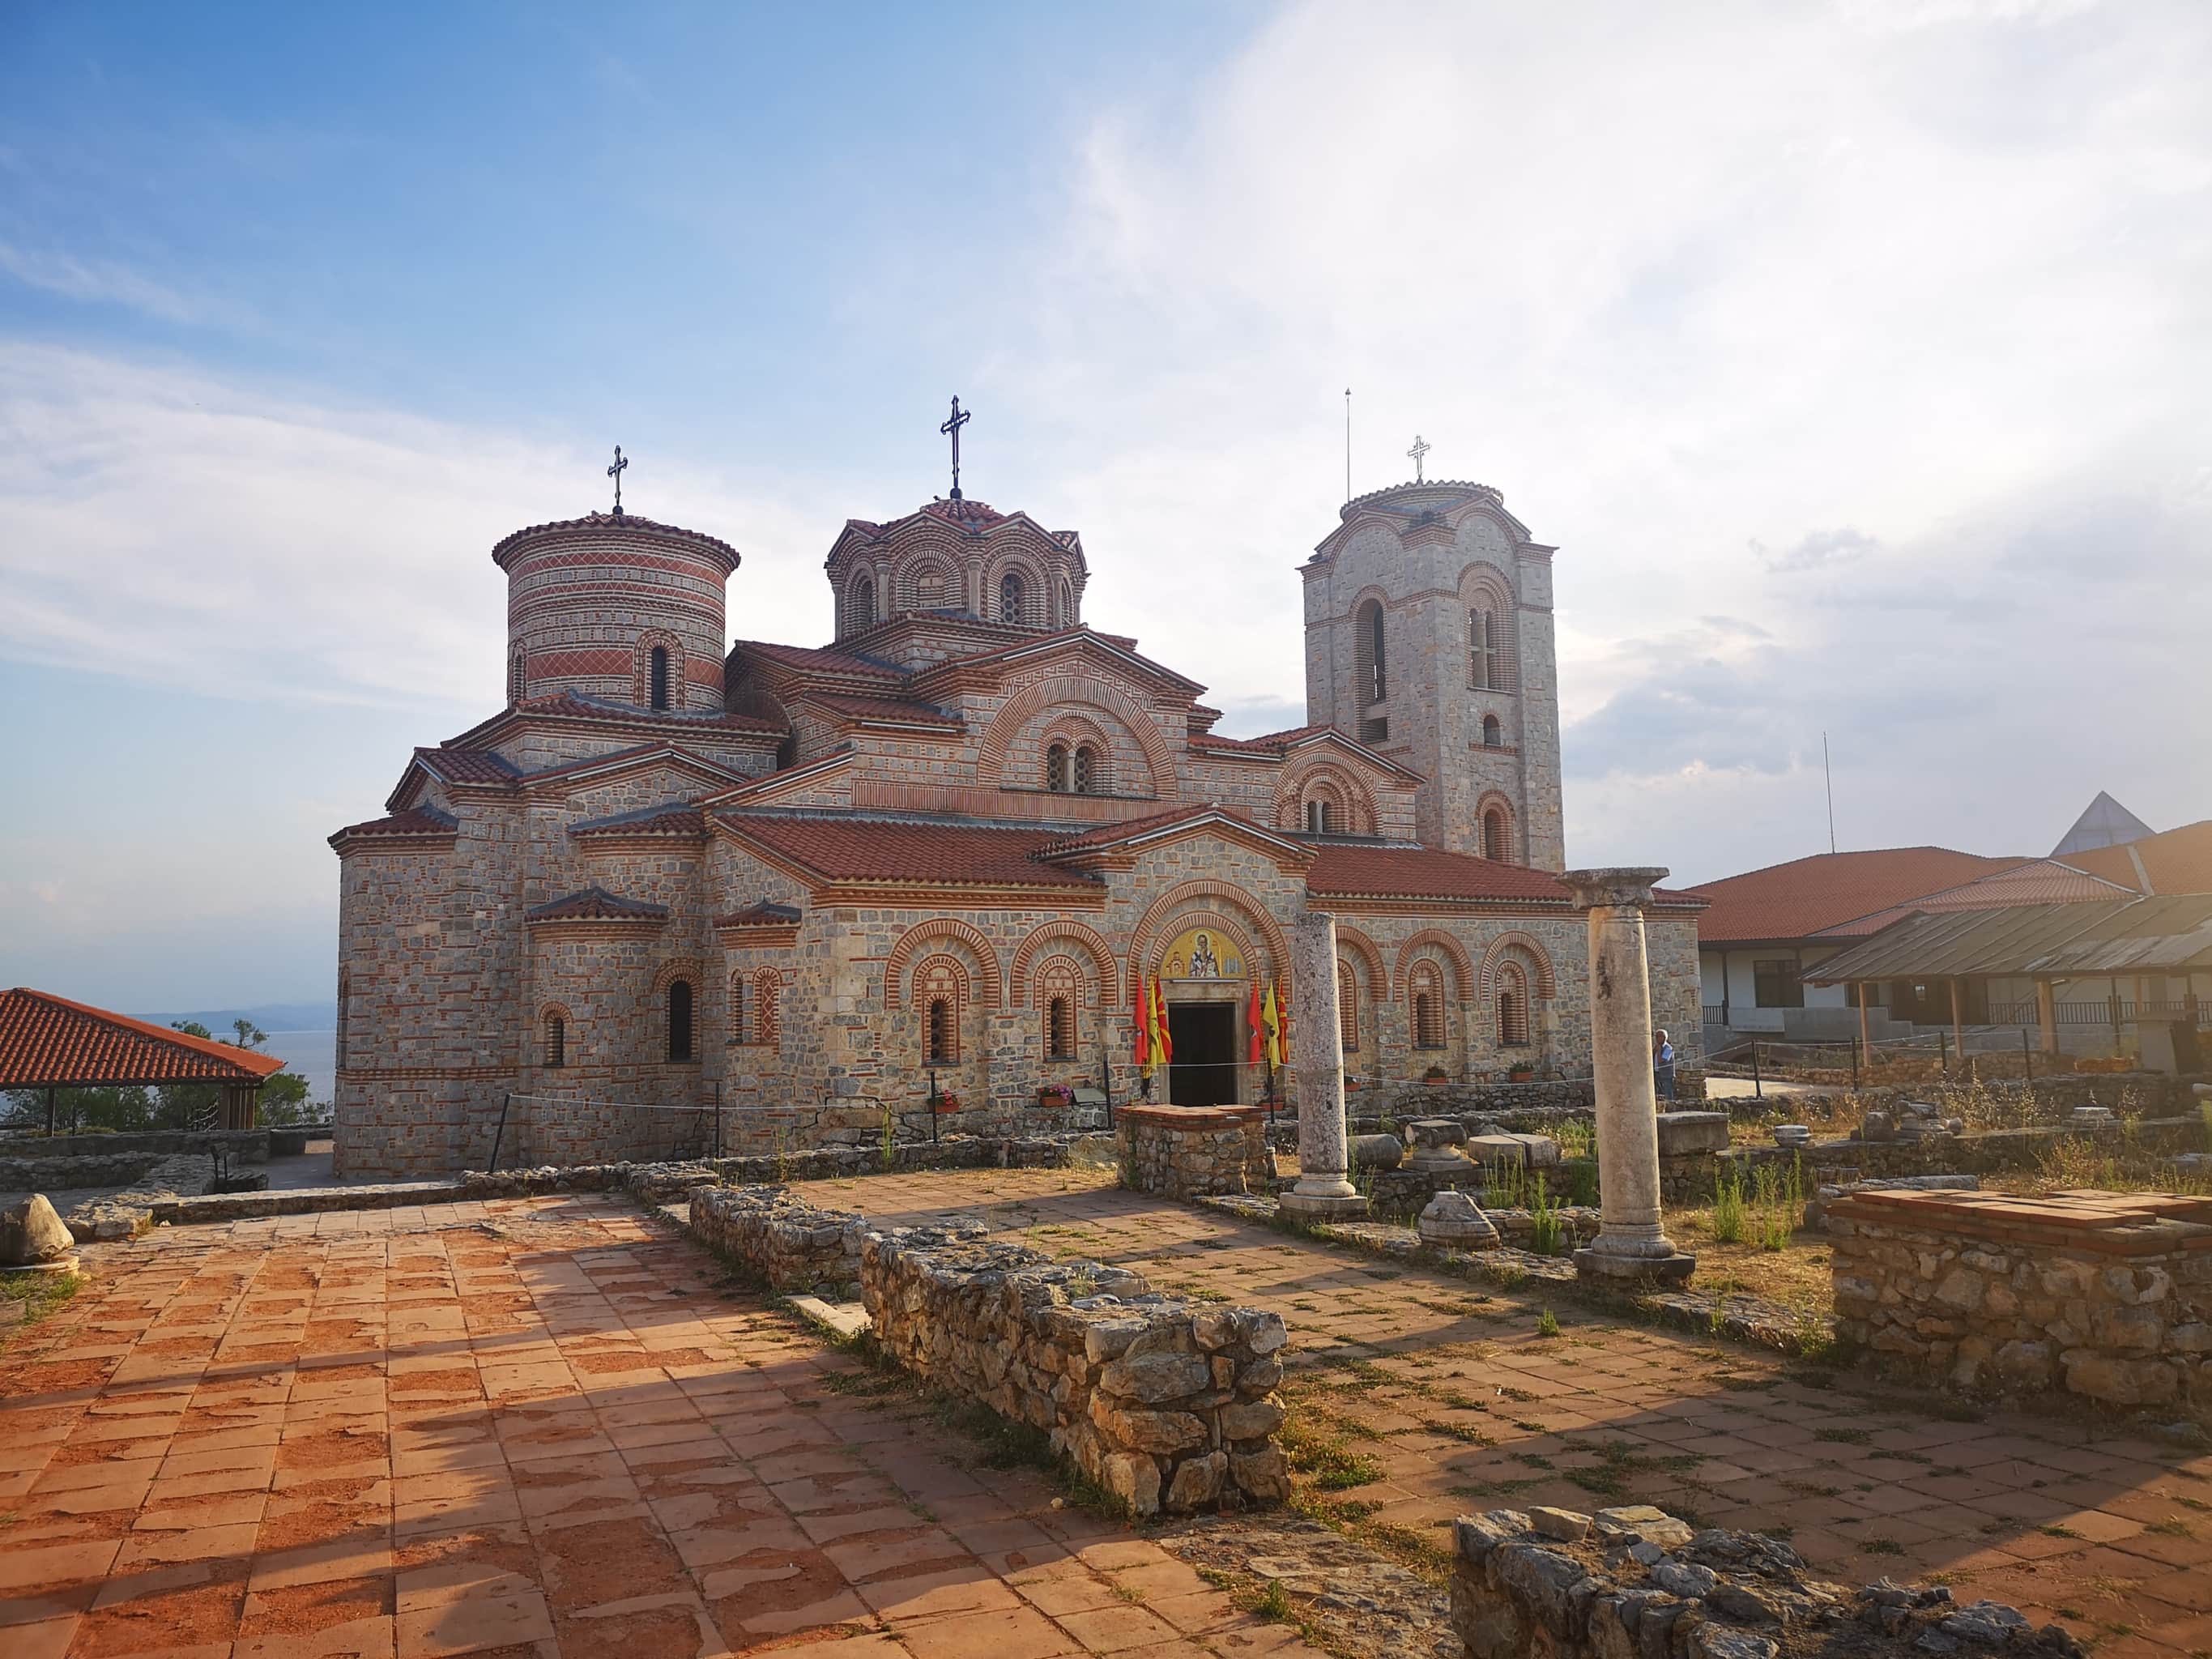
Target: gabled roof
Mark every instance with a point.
(1081, 638)
(2172, 862)
(1797, 899)
(895, 710)
(455, 765)
(824, 659)
(2104, 822)
(2053, 941)
(1132, 835)
(595, 904)
(568, 709)
(850, 848)
(1303, 736)
(2037, 881)
(1427, 872)
(47, 1041)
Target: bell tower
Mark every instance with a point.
(1428, 615)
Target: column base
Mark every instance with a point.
(1592, 1263)
(1311, 1206)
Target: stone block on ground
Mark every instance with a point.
(32, 1235)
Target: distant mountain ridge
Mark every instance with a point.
(269, 1016)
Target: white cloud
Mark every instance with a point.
(104, 282)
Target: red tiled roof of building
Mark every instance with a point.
(49, 1041)
(415, 821)
(595, 904)
(965, 512)
(468, 765)
(1798, 899)
(1110, 834)
(885, 709)
(1424, 873)
(822, 659)
(2176, 860)
(766, 913)
(902, 850)
(678, 818)
(573, 704)
(608, 521)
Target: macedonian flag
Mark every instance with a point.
(1163, 1044)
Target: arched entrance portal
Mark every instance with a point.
(1205, 972)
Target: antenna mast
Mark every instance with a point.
(1347, 443)
(1829, 774)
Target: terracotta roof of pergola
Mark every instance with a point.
(48, 1041)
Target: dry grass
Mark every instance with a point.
(1796, 1276)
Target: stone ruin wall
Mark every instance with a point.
(1166, 1405)
(1634, 1583)
(2097, 1295)
(1189, 1152)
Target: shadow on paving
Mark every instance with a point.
(535, 1426)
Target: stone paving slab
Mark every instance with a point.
(522, 1429)
(1462, 1405)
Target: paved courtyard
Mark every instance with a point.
(517, 1430)
(1460, 1405)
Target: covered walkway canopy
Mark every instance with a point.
(2047, 944)
(49, 1043)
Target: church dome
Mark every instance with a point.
(618, 607)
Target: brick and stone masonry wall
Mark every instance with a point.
(2107, 1296)
(1634, 1581)
(1181, 1152)
(1166, 1405)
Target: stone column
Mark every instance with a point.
(1631, 1243)
(1322, 1192)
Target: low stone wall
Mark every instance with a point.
(247, 1145)
(788, 1243)
(2104, 1295)
(53, 1174)
(1493, 1098)
(1637, 1583)
(1978, 1152)
(1167, 1406)
(1184, 1152)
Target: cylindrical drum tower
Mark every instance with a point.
(618, 607)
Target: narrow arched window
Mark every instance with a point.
(1060, 1029)
(1493, 734)
(1370, 655)
(1428, 1006)
(1317, 817)
(1055, 768)
(679, 1019)
(768, 1020)
(518, 677)
(658, 677)
(1066, 604)
(1010, 596)
(1496, 840)
(1347, 1006)
(1482, 650)
(556, 1041)
(1084, 771)
(860, 605)
(1512, 1008)
(944, 1032)
(739, 1032)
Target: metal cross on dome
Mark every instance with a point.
(615, 472)
(1421, 447)
(958, 418)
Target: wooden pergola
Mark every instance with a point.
(51, 1043)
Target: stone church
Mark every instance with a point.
(797, 883)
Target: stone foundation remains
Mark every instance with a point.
(2103, 1295)
(1637, 1583)
(1187, 1151)
(1167, 1406)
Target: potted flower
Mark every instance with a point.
(1436, 1077)
(1057, 1096)
(1521, 1071)
(944, 1103)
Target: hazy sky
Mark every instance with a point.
(1854, 356)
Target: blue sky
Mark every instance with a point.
(1852, 355)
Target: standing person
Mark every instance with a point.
(1662, 1065)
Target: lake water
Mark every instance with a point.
(314, 1055)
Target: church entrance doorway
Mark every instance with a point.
(1203, 1072)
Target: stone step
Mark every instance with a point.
(842, 1320)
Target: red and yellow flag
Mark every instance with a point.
(1270, 1017)
(1143, 1030)
(1257, 1048)
(1162, 1044)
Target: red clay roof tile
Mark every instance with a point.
(1425, 872)
(415, 821)
(46, 1040)
(885, 709)
(824, 659)
(678, 818)
(2176, 860)
(1798, 899)
(609, 522)
(904, 850)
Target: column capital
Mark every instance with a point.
(1630, 888)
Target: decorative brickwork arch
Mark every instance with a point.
(672, 669)
(1101, 954)
(859, 602)
(1495, 814)
(940, 993)
(768, 1007)
(1325, 778)
(1358, 944)
(1241, 908)
(1348, 1004)
(1510, 1007)
(1060, 996)
(670, 972)
(1086, 693)
(1074, 733)
(1030, 601)
(1540, 959)
(554, 1030)
(978, 944)
(1451, 949)
(930, 581)
(1492, 661)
